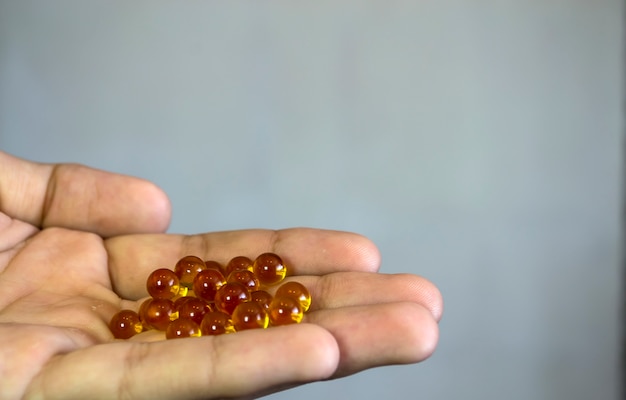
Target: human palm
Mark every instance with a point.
(76, 246)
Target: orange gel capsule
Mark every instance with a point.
(297, 291)
(246, 278)
(157, 313)
(181, 328)
(284, 311)
(187, 268)
(214, 264)
(238, 263)
(162, 283)
(125, 324)
(250, 315)
(269, 269)
(207, 282)
(262, 297)
(216, 323)
(230, 296)
(194, 309)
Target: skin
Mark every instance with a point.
(76, 245)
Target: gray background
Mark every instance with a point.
(478, 143)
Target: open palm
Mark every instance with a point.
(76, 246)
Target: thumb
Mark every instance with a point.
(244, 364)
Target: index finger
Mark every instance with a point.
(305, 251)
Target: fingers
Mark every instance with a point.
(376, 319)
(305, 252)
(347, 289)
(78, 197)
(13, 232)
(25, 348)
(378, 335)
(333, 344)
(228, 366)
(314, 256)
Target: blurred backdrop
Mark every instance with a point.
(478, 143)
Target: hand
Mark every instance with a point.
(76, 246)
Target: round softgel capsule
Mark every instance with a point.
(216, 323)
(250, 315)
(285, 311)
(194, 309)
(237, 263)
(297, 291)
(162, 284)
(262, 297)
(157, 313)
(125, 324)
(187, 268)
(269, 269)
(246, 278)
(230, 296)
(182, 328)
(207, 282)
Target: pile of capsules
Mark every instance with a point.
(201, 298)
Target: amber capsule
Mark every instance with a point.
(230, 296)
(236, 263)
(297, 291)
(262, 297)
(181, 328)
(194, 309)
(178, 303)
(182, 300)
(216, 323)
(207, 282)
(157, 313)
(269, 269)
(245, 277)
(214, 264)
(187, 268)
(284, 311)
(250, 315)
(162, 283)
(125, 324)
